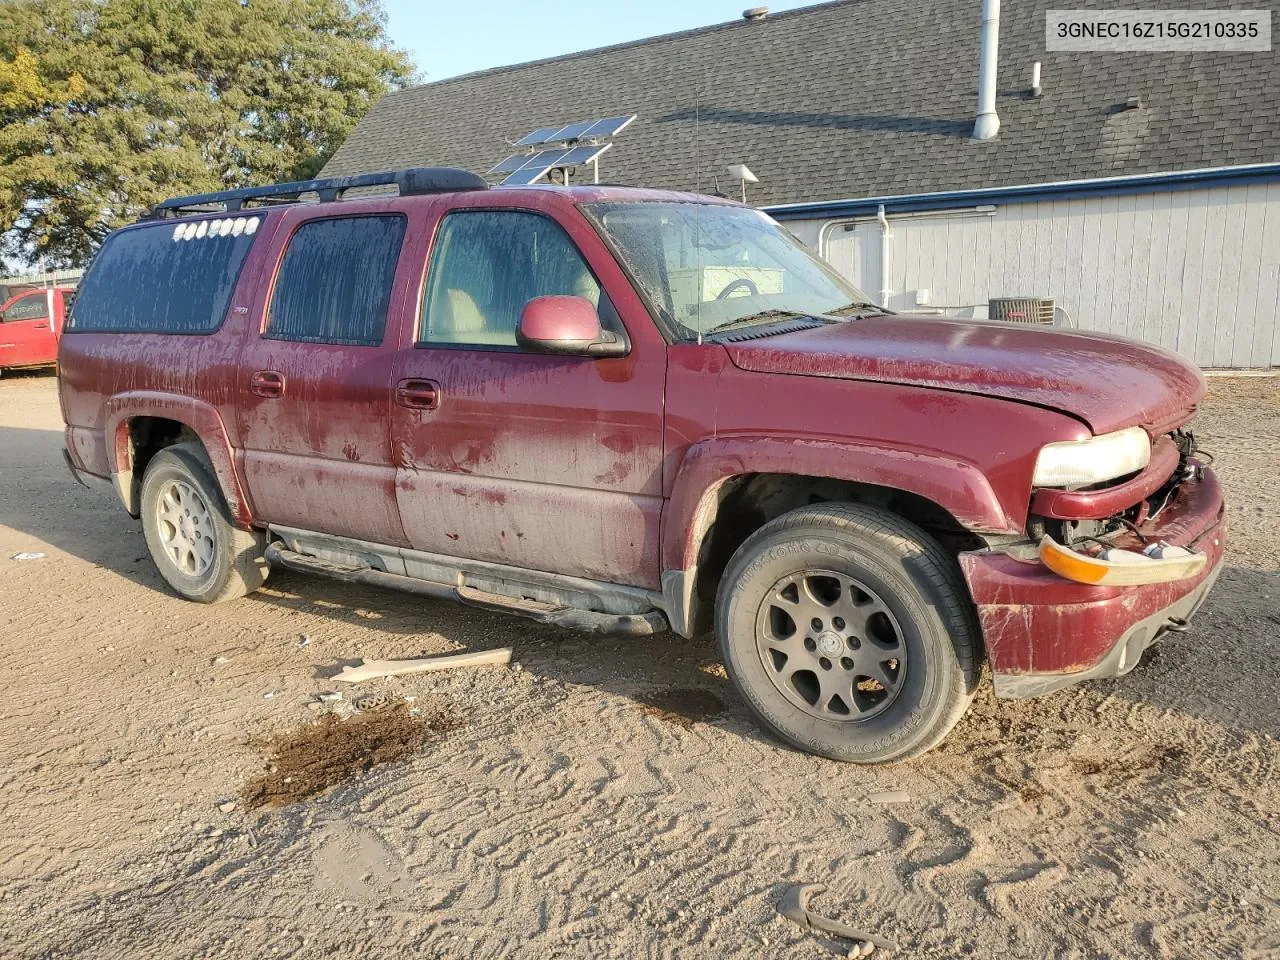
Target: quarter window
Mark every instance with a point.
(334, 283)
(488, 264)
(165, 277)
(34, 306)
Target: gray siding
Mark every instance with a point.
(1195, 271)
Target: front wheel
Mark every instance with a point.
(849, 633)
(193, 543)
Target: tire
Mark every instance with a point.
(885, 681)
(200, 553)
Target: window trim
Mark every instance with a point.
(265, 322)
(432, 250)
(69, 323)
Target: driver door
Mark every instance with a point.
(550, 463)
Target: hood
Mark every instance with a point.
(1108, 382)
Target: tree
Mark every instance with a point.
(108, 106)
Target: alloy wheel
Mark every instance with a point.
(831, 646)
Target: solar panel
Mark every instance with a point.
(581, 155)
(511, 164)
(538, 136)
(609, 126)
(522, 178)
(583, 129)
(539, 164)
(573, 131)
(536, 165)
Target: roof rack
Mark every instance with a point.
(412, 182)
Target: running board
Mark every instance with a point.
(570, 618)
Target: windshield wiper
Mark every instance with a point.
(757, 317)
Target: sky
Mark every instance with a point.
(452, 38)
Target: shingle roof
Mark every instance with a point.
(848, 99)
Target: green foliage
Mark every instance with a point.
(108, 106)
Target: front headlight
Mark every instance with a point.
(1080, 463)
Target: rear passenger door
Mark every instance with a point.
(315, 374)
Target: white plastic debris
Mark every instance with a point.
(890, 796)
(372, 669)
(28, 555)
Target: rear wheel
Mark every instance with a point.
(849, 633)
(188, 528)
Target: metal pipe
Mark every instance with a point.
(1035, 79)
(884, 255)
(988, 123)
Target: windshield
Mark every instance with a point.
(708, 266)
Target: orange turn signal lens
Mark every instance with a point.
(1135, 569)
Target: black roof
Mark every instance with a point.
(848, 99)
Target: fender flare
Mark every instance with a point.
(955, 485)
(201, 418)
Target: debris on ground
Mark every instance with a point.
(304, 641)
(373, 669)
(327, 751)
(794, 906)
(890, 796)
(373, 701)
(329, 696)
(28, 555)
(228, 806)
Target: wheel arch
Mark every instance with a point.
(727, 489)
(140, 424)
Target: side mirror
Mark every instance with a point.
(568, 326)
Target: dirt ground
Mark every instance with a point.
(599, 798)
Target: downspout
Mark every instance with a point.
(824, 241)
(884, 255)
(988, 123)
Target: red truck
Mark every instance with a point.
(625, 411)
(30, 325)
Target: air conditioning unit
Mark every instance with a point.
(1034, 310)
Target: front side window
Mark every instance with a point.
(711, 266)
(334, 284)
(34, 306)
(488, 264)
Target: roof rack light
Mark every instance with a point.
(412, 182)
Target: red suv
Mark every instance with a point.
(625, 411)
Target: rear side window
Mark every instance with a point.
(164, 277)
(334, 284)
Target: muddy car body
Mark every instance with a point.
(622, 410)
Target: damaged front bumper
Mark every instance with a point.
(1044, 632)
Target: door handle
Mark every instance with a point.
(267, 383)
(418, 394)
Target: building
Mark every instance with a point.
(1140, 191)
